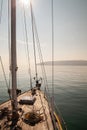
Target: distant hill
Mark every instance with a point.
(68, 62)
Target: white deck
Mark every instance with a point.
(45, 124)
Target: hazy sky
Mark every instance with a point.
(70, 29)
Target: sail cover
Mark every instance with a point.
(29, 100)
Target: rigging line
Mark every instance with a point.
(37, 38)
(4, 72)
(41, 59)
(9, 32)
(27, 46)
(40, 53)
(4, 75)
(52, 53)
(46, 90)
(33, 27)
(1, 8)
(32, 21)
(52, 16)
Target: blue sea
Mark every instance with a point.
(70, 92)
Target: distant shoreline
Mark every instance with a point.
(67, 63)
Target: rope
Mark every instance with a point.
(38, 45)
(32, 21)
(46, 89)
(43, 69)
(52, 56)
(52, 16)
(39, 50)
(4, 75)
(53, 102)
(27, 46)
(35, 35)
(1, 8)
(4, 72)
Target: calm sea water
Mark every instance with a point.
(70, 93)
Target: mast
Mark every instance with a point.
(13, 55)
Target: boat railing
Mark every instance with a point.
(57, 114)
(60, 117)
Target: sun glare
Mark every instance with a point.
(26, 2)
